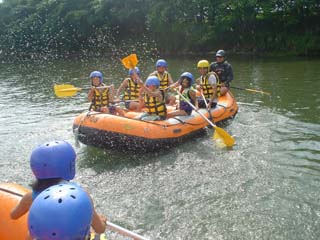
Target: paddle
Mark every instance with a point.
(251, 90)
(130, 61)
(111, 226)
(68, 90)
(124, 232)
(219, 133)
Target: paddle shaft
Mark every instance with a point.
(201, 114)
(124, 232)
(250, 90)
(111, 226)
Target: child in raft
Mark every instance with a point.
(52, 163)
(131, 90)
(165, 80)
(152, 98)
(63, 211)
(186, 89)
(101, 96)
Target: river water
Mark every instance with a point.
(266, 187)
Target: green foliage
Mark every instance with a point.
(80, 26)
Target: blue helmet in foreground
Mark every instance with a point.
(152, 81)
(61, 212)
(189, 76)
(161, 63)
(136, 69)
(96, 74)
(56, 159)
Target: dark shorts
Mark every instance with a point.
(112, 109)
(186, 107)
(202, 104)
(127, 104)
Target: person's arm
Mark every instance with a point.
(111, 93)
(193, 96)
(123, 85)
(229, 74)
(141, 102)
(213, 82)
(91, 94)
(170, 81)
(22, 207)
(98, 223)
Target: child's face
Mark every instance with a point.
(185, 83)
(161, 69)
(152, 87)
(203, 71)
(95, 81)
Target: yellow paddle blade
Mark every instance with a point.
(65, 90)
(130, 61)
(221, 135)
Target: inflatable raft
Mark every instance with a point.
(10, 195)
(129, 133)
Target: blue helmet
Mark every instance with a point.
(152, 81)
(161, 63)
(96, 74)
(137, 71)
(61, 212)
(189, 76)
(56, 159)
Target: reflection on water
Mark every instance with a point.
(265, 187)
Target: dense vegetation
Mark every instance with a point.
(64, 27)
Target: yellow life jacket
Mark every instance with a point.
(154, 106)
(132, 90)
(100, 99)
(207, 88)
(164, 79)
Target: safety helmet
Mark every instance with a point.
(188, 76)
(56, 159)
(220, 53)
(153, 81)
(137, 71)
(96, 74)
(203, 64)
(61, 212)
(161, 63)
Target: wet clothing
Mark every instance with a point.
(100, 99)
(154, 106)
(224, 71)
(131, 92)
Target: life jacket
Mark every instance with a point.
(100, 99)
(154, 106)
(164, 79)
(186, 94)
(132, 90)
(207, 88)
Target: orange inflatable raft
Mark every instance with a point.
(10, 195)
(129, 133)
